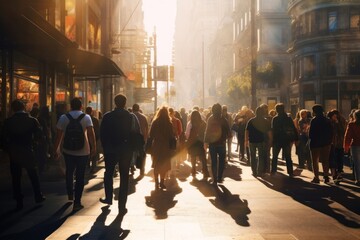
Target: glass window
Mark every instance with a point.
(354, 64)
(355, 19)
(70, 19)
(332, 21)
(330, 64)
(309, 66)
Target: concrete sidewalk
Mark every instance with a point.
(243, 207)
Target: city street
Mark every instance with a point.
(243, 207)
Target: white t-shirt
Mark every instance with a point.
(85, 122)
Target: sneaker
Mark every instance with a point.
(77, 207)
(105, 201)
(162, 186)
(316, 180)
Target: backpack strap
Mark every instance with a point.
(68, 115)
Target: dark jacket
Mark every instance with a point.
(115, 130)
(21, 130)
(321, 132)
(280, 125)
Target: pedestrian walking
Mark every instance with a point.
(75, 130)
(161, 135)
(144, 127)
(303, 147)
(19, 134)
(352, 143)
(96, 125)
(216, 133)
(195, 144)
(116, 131)
(284, 134)
(258, 129)
(320, 135)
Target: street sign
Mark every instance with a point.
(144, 95)
(162, 73)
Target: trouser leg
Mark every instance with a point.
(110, 163)
(80, 177)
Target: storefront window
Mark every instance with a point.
(28, 92)
(70, 19)
(330, 64)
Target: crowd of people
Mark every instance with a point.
(124, 136)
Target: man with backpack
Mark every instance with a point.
(76, 128)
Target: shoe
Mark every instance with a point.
(105, 201)
(40, 199)
(315, 180)
(162, 186)
(214, 183)
(77, 207)
(220, 180)
(326, 179)
(123, 211)
(291, 175)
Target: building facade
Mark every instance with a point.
(52, 51)
(325, 54)
(268, 48)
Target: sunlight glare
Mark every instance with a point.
(161, 15)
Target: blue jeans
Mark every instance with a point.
(75, 164)
(217, 155)
(257, 166)
(355, 153)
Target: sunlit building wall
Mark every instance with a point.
(325, 54)
(272, 26)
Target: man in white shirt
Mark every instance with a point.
(75, 160)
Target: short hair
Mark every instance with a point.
(136, 107)
(318, 109)
(216, 109)
(280, 108)
(17, 105)
(88, 110)
(75, 104)
(120, 100)
(259, 112)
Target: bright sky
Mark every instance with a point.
(161, 14)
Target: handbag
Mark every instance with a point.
(172, 143)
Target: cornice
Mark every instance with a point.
(299, 7)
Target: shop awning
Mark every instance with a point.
(24, 30)
(87, 63)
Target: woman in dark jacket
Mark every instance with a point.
(195, 144)
(161, 132)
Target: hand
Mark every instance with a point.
(93, 152)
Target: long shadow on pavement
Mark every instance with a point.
(100, 231)
(43, 229)
(225, 201)
(319, 197)
(232, 204)
(161, 201)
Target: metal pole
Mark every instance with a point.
(203, 74)
(253, 56)
(155, 71)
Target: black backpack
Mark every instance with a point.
(74, 135)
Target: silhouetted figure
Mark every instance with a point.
(115, 130)
(20, 133)
(161, 132)
(96, 124)
(35, 110)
